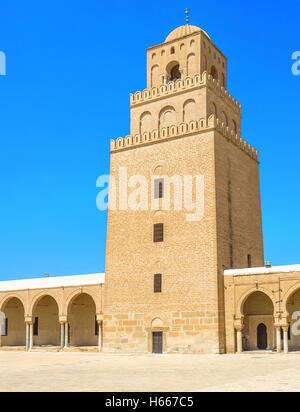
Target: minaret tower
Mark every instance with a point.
(164, 273)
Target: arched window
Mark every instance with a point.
(214, 73)
(154, 76)
(145, 122)
(172, 50)
(175, 73)
(167, 117)
(204, 64)
(234, 126)
(189, 111)
(191, 64)
(213, 109)
(224, 118)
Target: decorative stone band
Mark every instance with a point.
(182, 130)
(180, 86)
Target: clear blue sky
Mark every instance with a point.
(69, 69)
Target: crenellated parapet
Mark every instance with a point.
(166, 89)
(183, 130)
(221, 92)
(189, 83)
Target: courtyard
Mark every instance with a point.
(80, 371)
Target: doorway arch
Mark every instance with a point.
(173, 71)
(46, 326)
(15, 331)
(262, 337)
(293, 310)
(258, 312)
(83, 326)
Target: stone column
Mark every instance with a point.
(239, 326)
(278, 339)
(99, 317)
(30, 336)
(66, 335)
(62, 335)
(99, 335)
(286, 339)
(27, 336)
(165, 78)
(239, 340)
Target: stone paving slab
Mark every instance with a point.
(43, 371)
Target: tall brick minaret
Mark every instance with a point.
(164, 272)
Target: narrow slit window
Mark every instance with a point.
(157, 283)
(249, 261)
(158, 188)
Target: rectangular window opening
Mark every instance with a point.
(158, 232)
(249, 261)
(158, 188)
(157, 283)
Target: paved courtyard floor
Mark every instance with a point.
(42, 371)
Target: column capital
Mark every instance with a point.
(238, 324)
(28, 320)
(99, 317)
(63, 319)
(285, 328)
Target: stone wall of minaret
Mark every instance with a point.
(185, 126)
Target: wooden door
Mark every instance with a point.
(262, 337)
(157, 339)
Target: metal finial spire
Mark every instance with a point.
(187, 11)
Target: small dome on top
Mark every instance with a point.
(183, 31)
